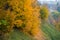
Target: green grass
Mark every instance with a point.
(17, 35)
(50, 32)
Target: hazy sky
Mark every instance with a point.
(48, 0)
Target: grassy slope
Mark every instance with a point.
(17, 35)
(50, 32)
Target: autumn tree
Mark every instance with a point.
(44, 12)
(20, 14)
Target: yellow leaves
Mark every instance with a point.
(44, 12)
(34, 31)
(28, 26)
(27, 5)
(18, 23)
(32, 14)
(23, 15)
(11, 2)
(28, 2)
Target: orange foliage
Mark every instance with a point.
(24, 14)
